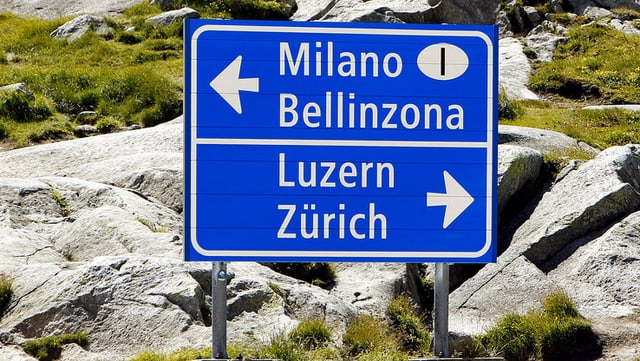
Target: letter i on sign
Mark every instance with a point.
(442, 61)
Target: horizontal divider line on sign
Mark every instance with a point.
(343, 143)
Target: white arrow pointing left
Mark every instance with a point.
(456, 199)
(228, 84)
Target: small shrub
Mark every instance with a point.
(6, 292)
(365, 334)
(559, 304)
(626, 13)
(405, 318)
(108, 124)
(4, 133)
(311, 333)
(382, 354)
(512, 337)
(162, 44)
(282, 347)
(51, 131)
(508, 109)
(62, 203)
(142, 9)
(553, 333)
(129, 37)
(49, 348)
(276, 289)
(16, 105)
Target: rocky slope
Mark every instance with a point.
(90, 229)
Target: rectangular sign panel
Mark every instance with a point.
(340, 142)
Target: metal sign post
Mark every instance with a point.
(219, 310)
(441, 310)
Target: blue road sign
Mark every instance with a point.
(340, 142)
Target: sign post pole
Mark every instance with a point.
(219, 310)
(441, 309)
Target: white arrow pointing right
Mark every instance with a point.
(456, 199)
(228, 84)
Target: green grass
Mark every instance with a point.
(597, 62)
(366, 334)
(132, 76)
(49, 348)
(276, 289)
(596, 65)
(184, 354)
(65, 210)
(311, 333)
(598, 128)
(6, 292)
(552, 333)
(124, 83)
(152, 226)
(406, 319)
(366, 339)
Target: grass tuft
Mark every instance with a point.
(62, 203)
(152, 226)
(133, 77)
(597, 62)
(183, 354)
(49, 348)
(283, 348)
(599, 128)
(6, 292)
(311, 333)
(365, 334)
(555, 332)
(405, 318)
(508, 109)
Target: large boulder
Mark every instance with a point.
(461, 12)
(602, 275)
(143, 298)
(423, 11)
(514, 70)
(263, 303)
(542, 140)
(54, 9)
(543, 43)
(78, 27)
(148, 161)
(169, 17)
(370, 295)
(518, 168)
(602, 191)
(580, 6)
(543, 254)
(94, 256)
